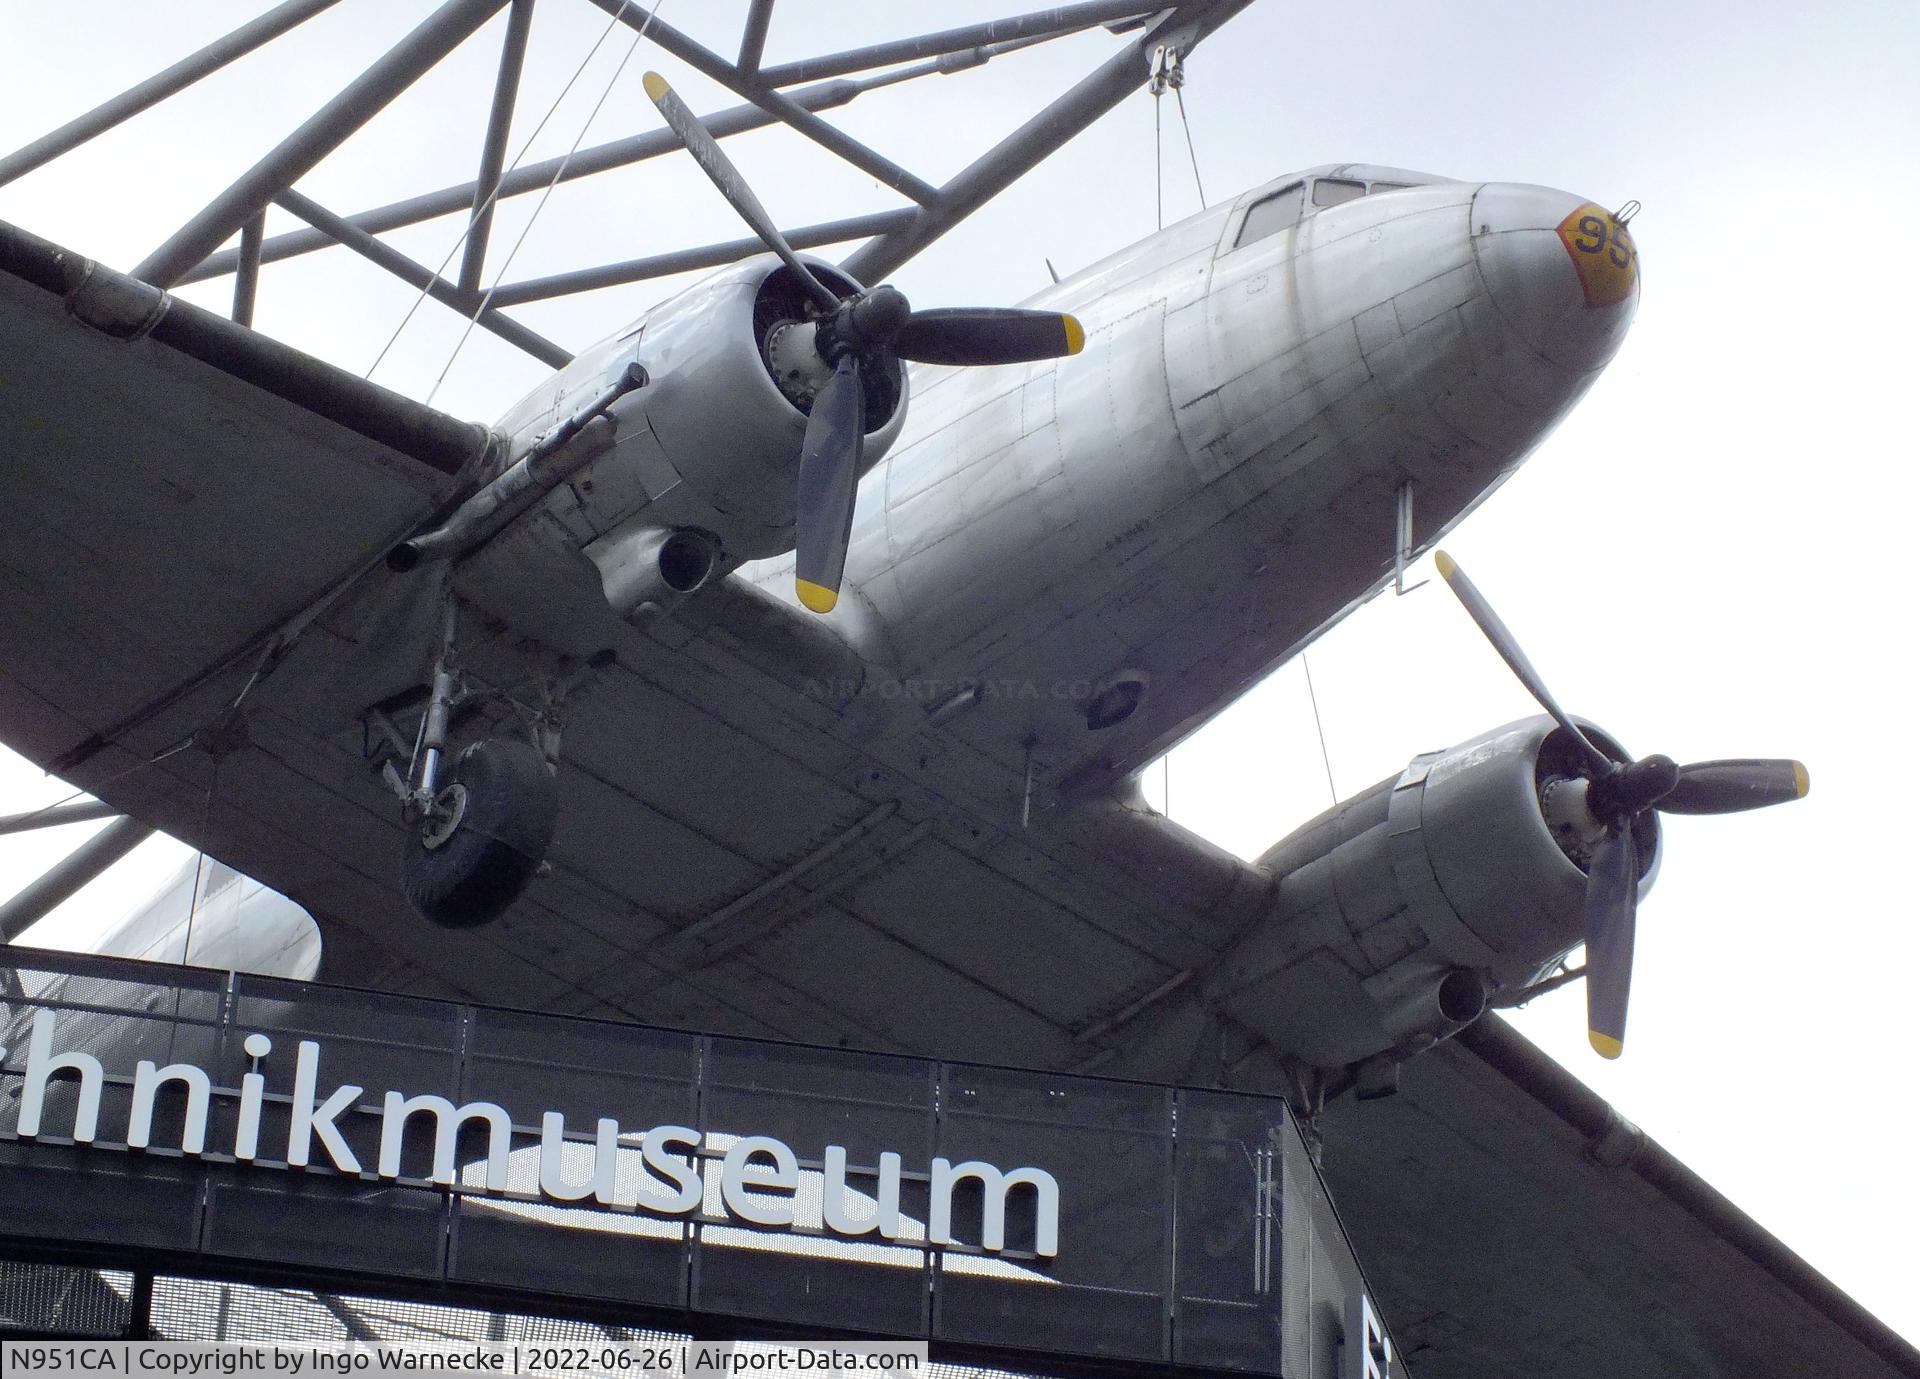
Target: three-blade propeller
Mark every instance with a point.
(851, 333)
(1617, 794)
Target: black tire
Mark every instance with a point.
(503, 832)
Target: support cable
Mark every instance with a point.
(1314, 699)
(199, 871)
(1170, 71)
(21, 823)
(1156, 85)
(1159, 181)
(1177, 79)
(486, 205)
(540, 205)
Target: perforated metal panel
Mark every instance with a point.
(55, 1300)
(1192, 1228)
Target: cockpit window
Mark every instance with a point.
(1389, 186)
(1272, 214)
(1331, 191)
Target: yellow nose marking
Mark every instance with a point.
(1603, 254)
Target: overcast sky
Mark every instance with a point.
(1709, 557)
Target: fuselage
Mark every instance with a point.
(1181, 506)
(1214, 479)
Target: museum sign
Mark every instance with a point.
(361, 1139)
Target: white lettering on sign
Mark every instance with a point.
(995, 1187)
(1366, 1351)
(759, 1178)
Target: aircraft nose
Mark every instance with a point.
(1561, 270)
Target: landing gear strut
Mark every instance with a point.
(478, 828)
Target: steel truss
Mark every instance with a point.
(791, 94)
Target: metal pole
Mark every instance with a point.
(140, 1307)
(422, 277)
(493, 154)
(685, 260)
(1052, 23)
(83, 812)
(618, 153)
(1017, 154)
(69, 874)
(324, 131)
(155, 89)
(1009, 160)
(753, 37)
(711, 65)
(246, 282)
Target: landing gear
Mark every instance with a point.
(482, 837)
(478, 828)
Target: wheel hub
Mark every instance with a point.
(443, 816)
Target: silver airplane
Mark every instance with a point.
(744, 678)
(1176, 468)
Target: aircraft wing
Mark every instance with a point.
(1511, 1224)
(178, 492)
(177, 489)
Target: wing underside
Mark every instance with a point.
(1512, 1225)
(178, 492)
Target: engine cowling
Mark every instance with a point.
(1400, 911)
(713, 442)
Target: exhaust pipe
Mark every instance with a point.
(647, 570)
(548, 464)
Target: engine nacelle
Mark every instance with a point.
(1399, 911)
(712, 443)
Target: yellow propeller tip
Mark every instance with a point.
(1076, 334)
(655, 84)
(1801, 781)
(1444, 564)
(817, 597)
(1604, 1044)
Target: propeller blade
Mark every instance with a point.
(829, 473)
(1613, 885)
(724, 175)
(1728, 787)
(1503, 642)
(988, 335)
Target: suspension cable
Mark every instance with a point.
(1156, 86)
(1159, 195)
(1314, 699)
(474, 219)
(1169, 70)
(559, 172)
(1178, 80)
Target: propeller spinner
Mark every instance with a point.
(1617, 793)
(849, 333)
